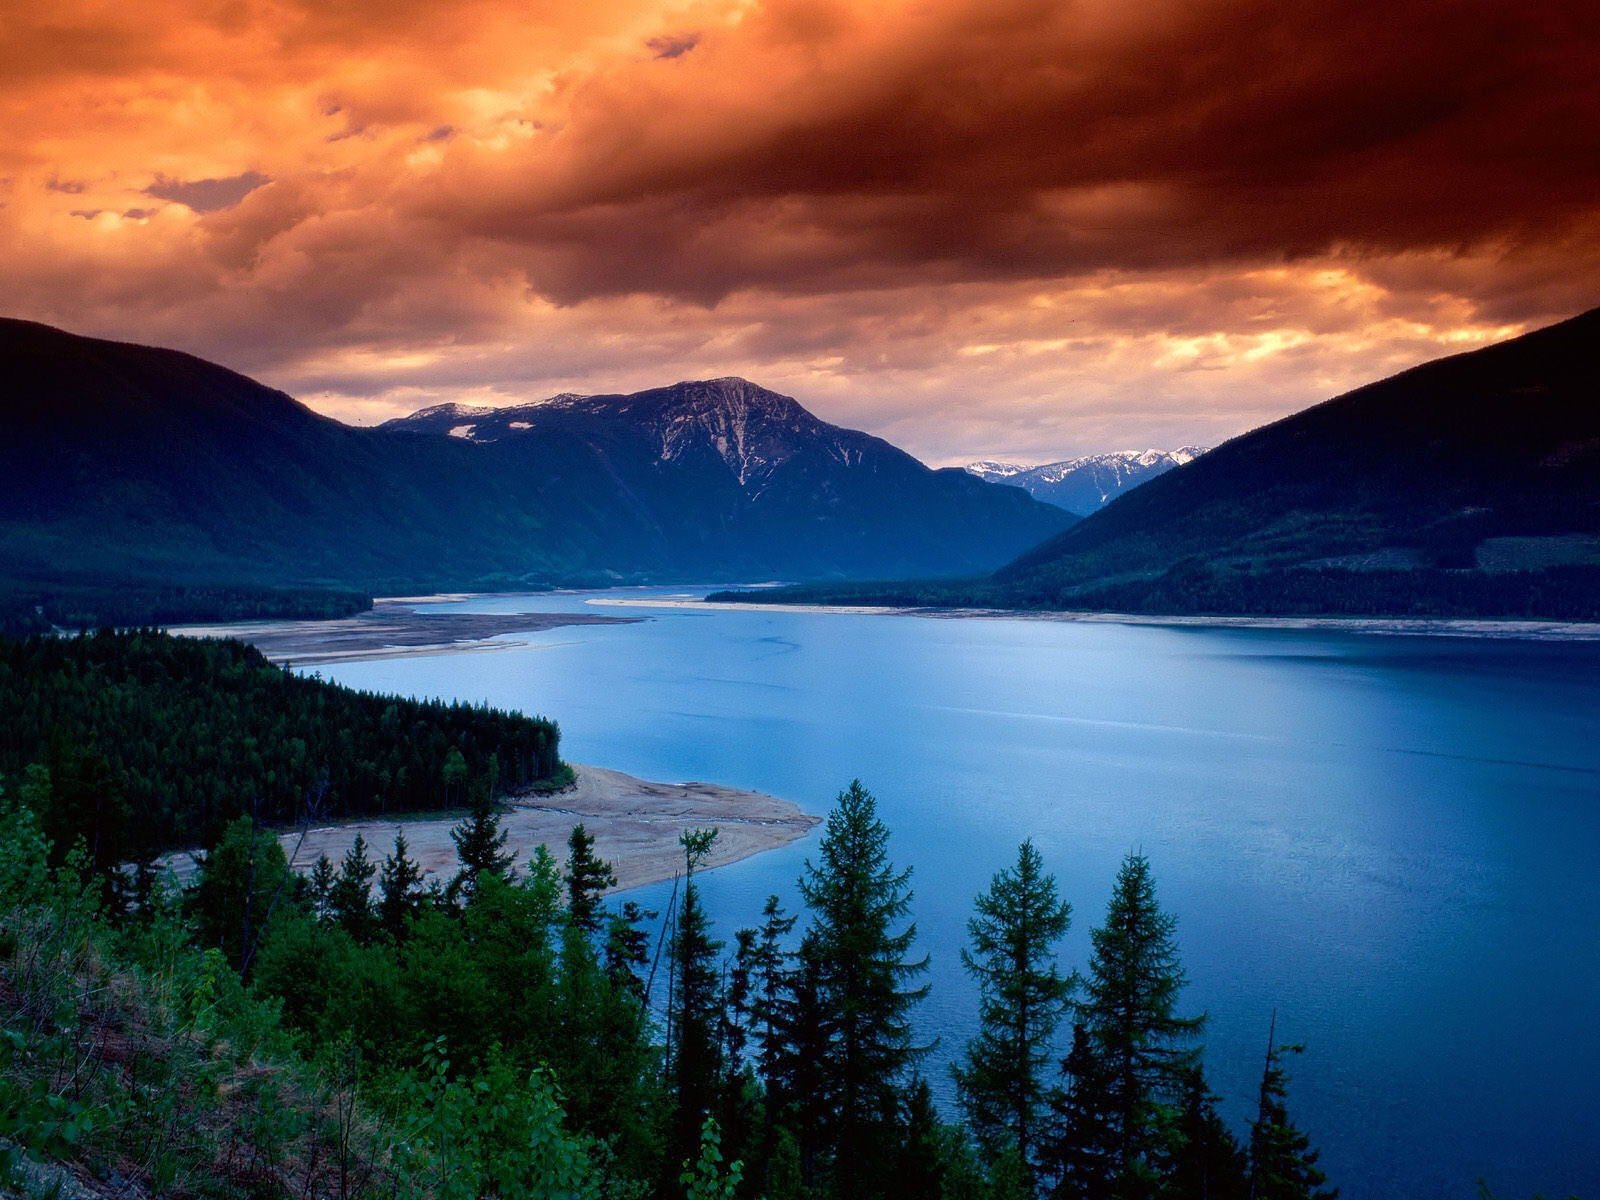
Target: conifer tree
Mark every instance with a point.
(480, 844)
(1283, 1166)
(771, 991)
(627, 949)
(1022, 998)
(1204, 1161)
(588, 877)
(860, 940)
(1081, 1155)
(400, 893)
(320, 886)
(350, 899)
(1136, 1038)
(694, 1006)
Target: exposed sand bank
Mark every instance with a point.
(1549, 631)
(635, 824)
(389, 629)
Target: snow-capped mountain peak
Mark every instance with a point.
(1084, 484)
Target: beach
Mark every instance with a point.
(389, 628)
(1529, 630)
(635, 824)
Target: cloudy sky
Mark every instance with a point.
(996, 228)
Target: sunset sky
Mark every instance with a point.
(980, 228)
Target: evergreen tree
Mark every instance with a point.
(350, 899)
(627, 950)
(1134, 1033)
(1283, 1166)
(242, 879)
(1022, 996)
(694, 1006)
(480, 844)
(588, 877)
(400, 893)
(772, 992)
(1204, 1161)
(860, 939)
(319, 887)
(1081, 1155)
(454, 773)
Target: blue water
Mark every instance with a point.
(1391, 841)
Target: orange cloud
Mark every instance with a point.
(1016, 227)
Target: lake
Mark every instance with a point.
(1392, 841)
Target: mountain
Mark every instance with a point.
(1468, 486)
(145, 463)
(1085, 485)
(1479, 464)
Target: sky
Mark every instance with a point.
(1021, 229)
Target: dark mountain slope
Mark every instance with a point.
(1486, 461)
(128, 461)
(727, 474)
(1469, 486)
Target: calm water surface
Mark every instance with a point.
(1392, 841)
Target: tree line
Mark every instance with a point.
(510, 1031)
(152, 742)
(29, 607)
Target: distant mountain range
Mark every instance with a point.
(1085, 485)
(1466, 486)
(132, 462)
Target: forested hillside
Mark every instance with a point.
(154, 742)
(136, 463)
(509, 1034)
(1466, 487)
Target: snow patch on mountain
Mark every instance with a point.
(1089, 482)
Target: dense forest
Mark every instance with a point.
(1567, 593)
(152, 742)
(367, 1031)
(29, 606)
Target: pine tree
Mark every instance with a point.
(1134, 1034)
(772, 992)
(480, 844)
(694, 1006)
(1022, 998)
(242, 880)
(1283, 1166)
(860, 939)
(454, 774)
(320, 886)
(1204, 1160)
(400, 893)
(1081, 1155)
(627, 949)
(350, 899)
(588, 877)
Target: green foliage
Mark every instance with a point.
(588, 877)
(707, 1178)
(1283, 1166)
(480, 844)
(1139, 1050)
(695, 1060)
(27, 607)
(191, 733)
(1022, 997)
(263, 1040)
(400, 894)
(860, 940)
(243, 879)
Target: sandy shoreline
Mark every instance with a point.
(1548, 631)
(389, 629)
(635, 824)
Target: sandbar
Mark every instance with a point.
(635, 823)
